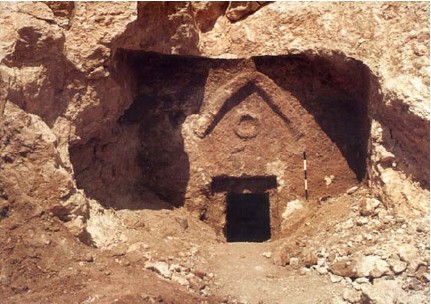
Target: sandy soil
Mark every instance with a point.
(167, 256)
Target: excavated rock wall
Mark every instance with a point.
(194, 119)
(61, 78)
(392, 40)
(251, 125)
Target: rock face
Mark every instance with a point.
(255, 127)
(326, 35)
(32, 168)
(83, 105)
(219, 117)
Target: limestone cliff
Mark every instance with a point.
(64, 87)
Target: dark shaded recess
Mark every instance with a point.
(168, 89)
(248, 217)
(413, 138)
(239, 184)
(337, 98)
(4, 210)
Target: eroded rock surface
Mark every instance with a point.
(138, 106)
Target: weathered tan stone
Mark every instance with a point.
(384, 292)
(368, 206)
(372, 266)
(361, 266)
(206, 13)
(59, 61)
(31, 166)
(407, 252)
(345, 268)
(239, 9)
(93, 105)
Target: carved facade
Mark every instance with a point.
(249, 133)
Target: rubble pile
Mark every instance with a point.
(379, 257)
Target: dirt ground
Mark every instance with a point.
(117, 119)
(167, 256)
(43, 263)
(243, 272)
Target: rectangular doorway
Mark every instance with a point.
(248, 217)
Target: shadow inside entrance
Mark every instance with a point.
(248, 217)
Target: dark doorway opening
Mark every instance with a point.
(248, 217)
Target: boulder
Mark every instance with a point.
(368, 207)
(361, 266)
(291, 207)
(267, 254)
(372, 266)
(396, 265)
(344, 268)
(294, 262)
(309, 259)
(407, 252)
(352, 190)
(161, 268)
(180, 279)
(351, 296)
(384, 292)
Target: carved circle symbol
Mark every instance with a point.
(247, 127)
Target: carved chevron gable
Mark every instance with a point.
(227, 97)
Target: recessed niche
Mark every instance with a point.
(201, 130)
